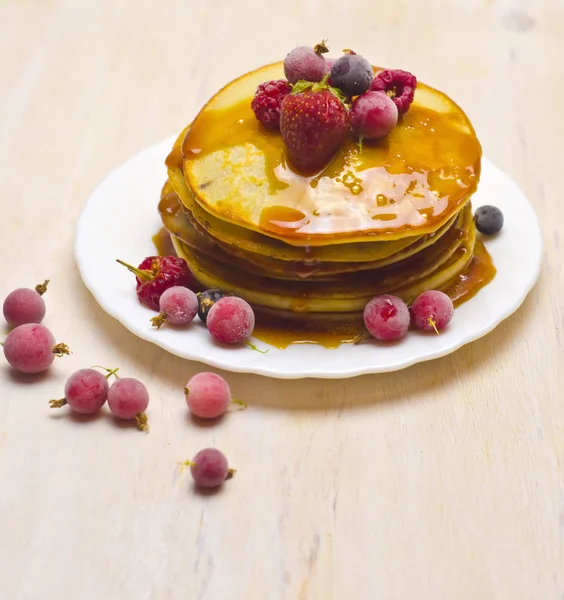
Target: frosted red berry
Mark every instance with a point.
(373, 115)
(158, 273)
(432, 311)
(207, 395)
(305, 63)
(31, 348)
(267, 101)
(209, 468)
(86, 392)
(25, 305)
(399, 85)
(387, 318)
(231, 320)
(314, 124)
(178, 306)
(128, 399)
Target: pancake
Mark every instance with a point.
(183, 225)
(409, 184)
(345, 295)
(308, 253)
(252, 241)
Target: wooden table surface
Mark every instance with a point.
(444, 481)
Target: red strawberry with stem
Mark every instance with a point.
(158, 273)
(314, 122)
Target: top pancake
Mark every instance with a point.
(408, 184)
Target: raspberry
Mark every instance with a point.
(157, 274)
(267, 101)
(399, 85)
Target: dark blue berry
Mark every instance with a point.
(352, 74)
(206, 300)
(489, 219)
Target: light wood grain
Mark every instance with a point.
(444, 481)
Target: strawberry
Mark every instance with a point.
(314, 122)
(158, 273)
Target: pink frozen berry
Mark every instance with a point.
(231, 320)
(128, 399)
(386, 317)
(86, 391)
(25, 305)
(178, 306)
(432, 311)
(373, 115)
(209, 468)
(306, 63)
(208, 395)
(31, 348)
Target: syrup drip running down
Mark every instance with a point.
(479, 272)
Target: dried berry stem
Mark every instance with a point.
(158, 321)
(253, 347)
(42, 287)
(321, 48)
(109, 372)
(142, 422)
(57, 403)
(141, 274)
(61, 349)
(230, 474)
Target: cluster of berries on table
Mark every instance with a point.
(324, 100)
(163, 284)
(31, 348)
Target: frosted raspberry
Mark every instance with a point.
(399, 85)
(267, 101)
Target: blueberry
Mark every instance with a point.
(489, 219)
(352, 74)
(206, 300)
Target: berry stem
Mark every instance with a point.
(109, 372)
(230, 474)
(158, 321)
(141, 274)
(433, 324)
(239, 403)
(142, 422)
(360, 338)
(188, 463)
(321, 48)
(57, 403)
(61, 349)
(253, 347)
(42, 287)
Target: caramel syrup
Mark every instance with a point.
(163, 244)
(478, 273)
(413, 180)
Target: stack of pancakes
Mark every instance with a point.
(391, 217)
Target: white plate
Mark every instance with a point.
(121, 217)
